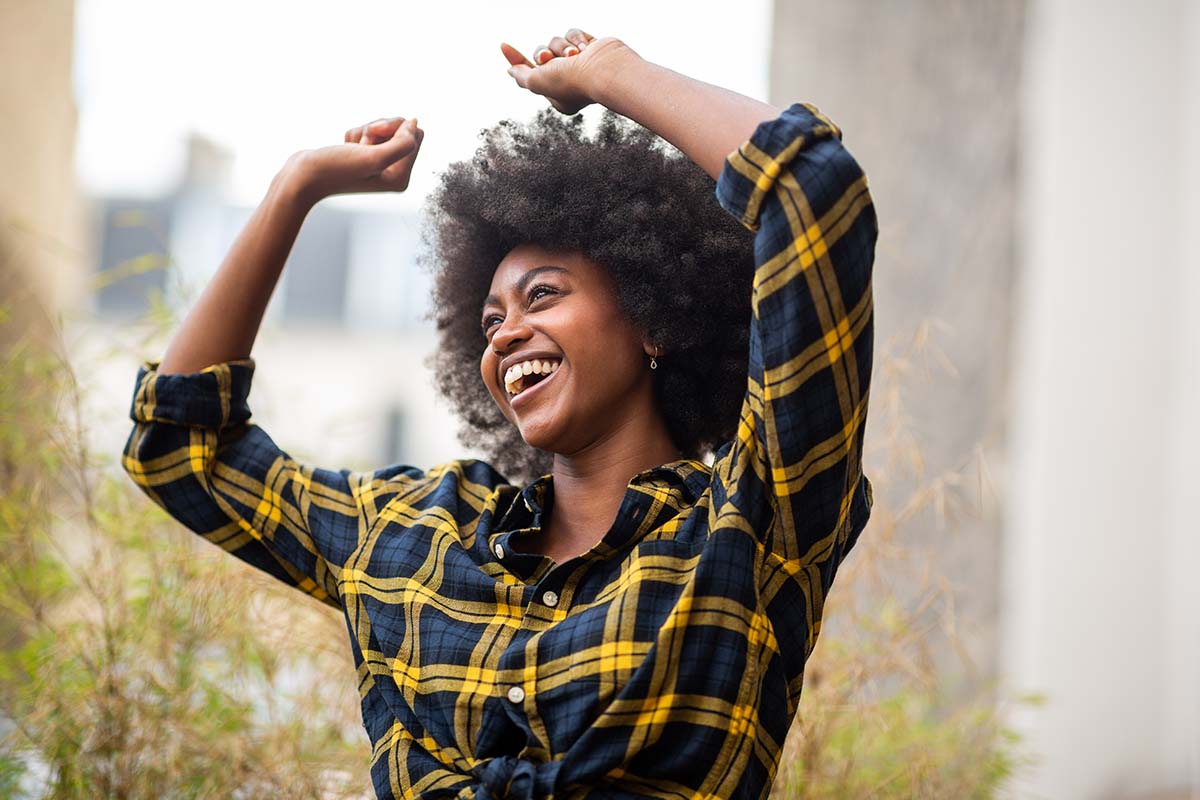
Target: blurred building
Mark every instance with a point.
(1035, 171)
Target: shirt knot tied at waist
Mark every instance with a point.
(511, 778)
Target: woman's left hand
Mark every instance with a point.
(569, 70)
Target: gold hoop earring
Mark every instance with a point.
(653, 358)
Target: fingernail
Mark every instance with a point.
(571, 51)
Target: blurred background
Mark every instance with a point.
(1034, 554)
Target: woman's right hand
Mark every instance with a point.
(376, 157)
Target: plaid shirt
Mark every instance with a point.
(668, 660)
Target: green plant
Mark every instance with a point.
(137, 660)
(879, 717)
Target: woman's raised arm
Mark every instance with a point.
(193, 448)
(704, 121)
(224, 322)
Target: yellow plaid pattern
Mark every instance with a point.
(668, 660)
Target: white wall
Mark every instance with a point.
(1100, 557)
(1181, 700)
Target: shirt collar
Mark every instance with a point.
(537, 492)
(691, 476)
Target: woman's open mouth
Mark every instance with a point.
(521, 398)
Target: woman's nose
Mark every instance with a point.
(513, 328)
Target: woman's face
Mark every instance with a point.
(559, 305)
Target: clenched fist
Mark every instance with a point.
(570, 70)
(376, 157)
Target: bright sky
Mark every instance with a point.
(269, 78)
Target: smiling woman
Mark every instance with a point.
(593, 610)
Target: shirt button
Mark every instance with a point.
(499, 550)
(516, 694)
(550, 599)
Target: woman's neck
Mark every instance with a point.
(590, 485)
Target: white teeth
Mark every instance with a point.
(514, 377)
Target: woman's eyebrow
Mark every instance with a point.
(523, 281)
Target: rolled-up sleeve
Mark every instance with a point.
(195, 452)
(798, 452)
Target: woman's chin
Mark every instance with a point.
(537, 436)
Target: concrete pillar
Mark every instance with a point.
(1100, 561)
(42, 266)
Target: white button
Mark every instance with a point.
(499, 549)
(550, 599)
(516, 694)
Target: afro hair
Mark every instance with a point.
(631, 202)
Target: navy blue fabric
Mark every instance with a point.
(669, 660)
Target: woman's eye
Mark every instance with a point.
(533, 295)
(533, 292)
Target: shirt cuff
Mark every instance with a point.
(214, 397)
(750, 171)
